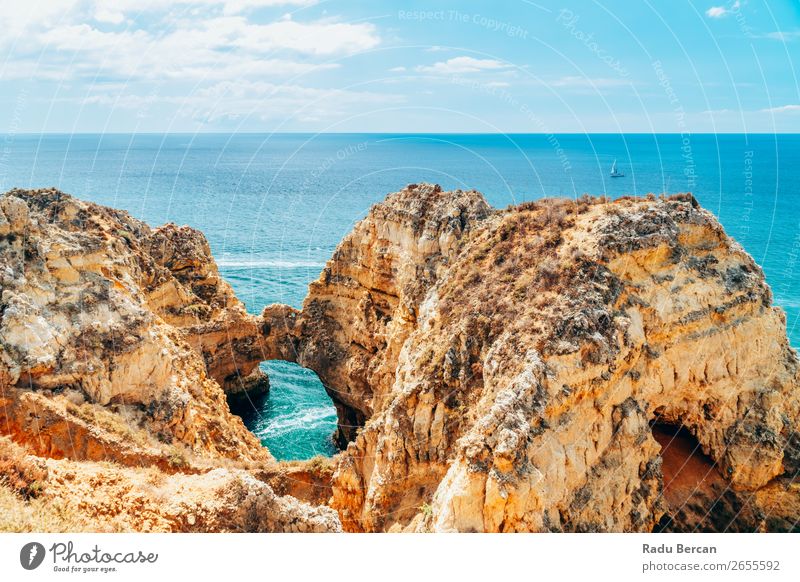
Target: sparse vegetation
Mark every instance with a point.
(119, 423)
(320, 466)
(22, 474)
(18, 514)
(23, 505)
(177, 458)
(426, 509)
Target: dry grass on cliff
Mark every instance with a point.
(516, 267)
(309, 481)
(119, 422)
(22, 480)
(523, 277)
(513, 277)
(19, 472)
(18, 514)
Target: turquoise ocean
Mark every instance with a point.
(274, 206)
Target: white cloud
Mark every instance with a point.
(18, 17)
(201, 59)
(134, 7)
(782, 109)
(722, 11)
(462, 65)
(783, 36)
(233, 6)
(211, 48)
(258, 99)
(106, 14)
(55, 20)
(223, 33)
(313, 38)
(772, 110)
(27, 70)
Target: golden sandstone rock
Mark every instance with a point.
(560, 365)
(100, 315)
(505, 367)
(93, 317)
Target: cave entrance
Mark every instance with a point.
(691, 478)
(296, 420)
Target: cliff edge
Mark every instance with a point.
(561, 365)
(505, 370)
(118, 343)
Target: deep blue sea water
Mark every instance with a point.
(274, 206)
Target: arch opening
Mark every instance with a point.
(692, 483)
(295, 419)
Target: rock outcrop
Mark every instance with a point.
(99, 317)
(561, 365)
(360, 311)
(65, 495)
(118, 343)
(199, 302)
(502, 370)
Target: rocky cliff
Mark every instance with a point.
(115, 340)
(200, 303)
(561, 365)
(360, 311)
(505, 370)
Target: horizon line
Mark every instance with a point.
(497, 133)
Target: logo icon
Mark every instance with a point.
(31, 555)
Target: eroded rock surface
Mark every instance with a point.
(199, 302)
(493, 370)
(365, 303)
(115, 339)
(67, 495)
(500, 370)
(99, 317)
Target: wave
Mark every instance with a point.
(786, 301)
(305, 420)
(241, 263)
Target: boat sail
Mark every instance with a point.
(614, 172)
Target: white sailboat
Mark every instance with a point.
(614, 172)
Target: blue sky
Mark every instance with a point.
(403, 66)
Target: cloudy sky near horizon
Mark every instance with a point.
(401, 66)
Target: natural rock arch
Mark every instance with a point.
(507, 364)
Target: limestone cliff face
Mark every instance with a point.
(359, 312)
(506, 367)
(116, 341)
(526, 369)
(99, 316)
(198, 301)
